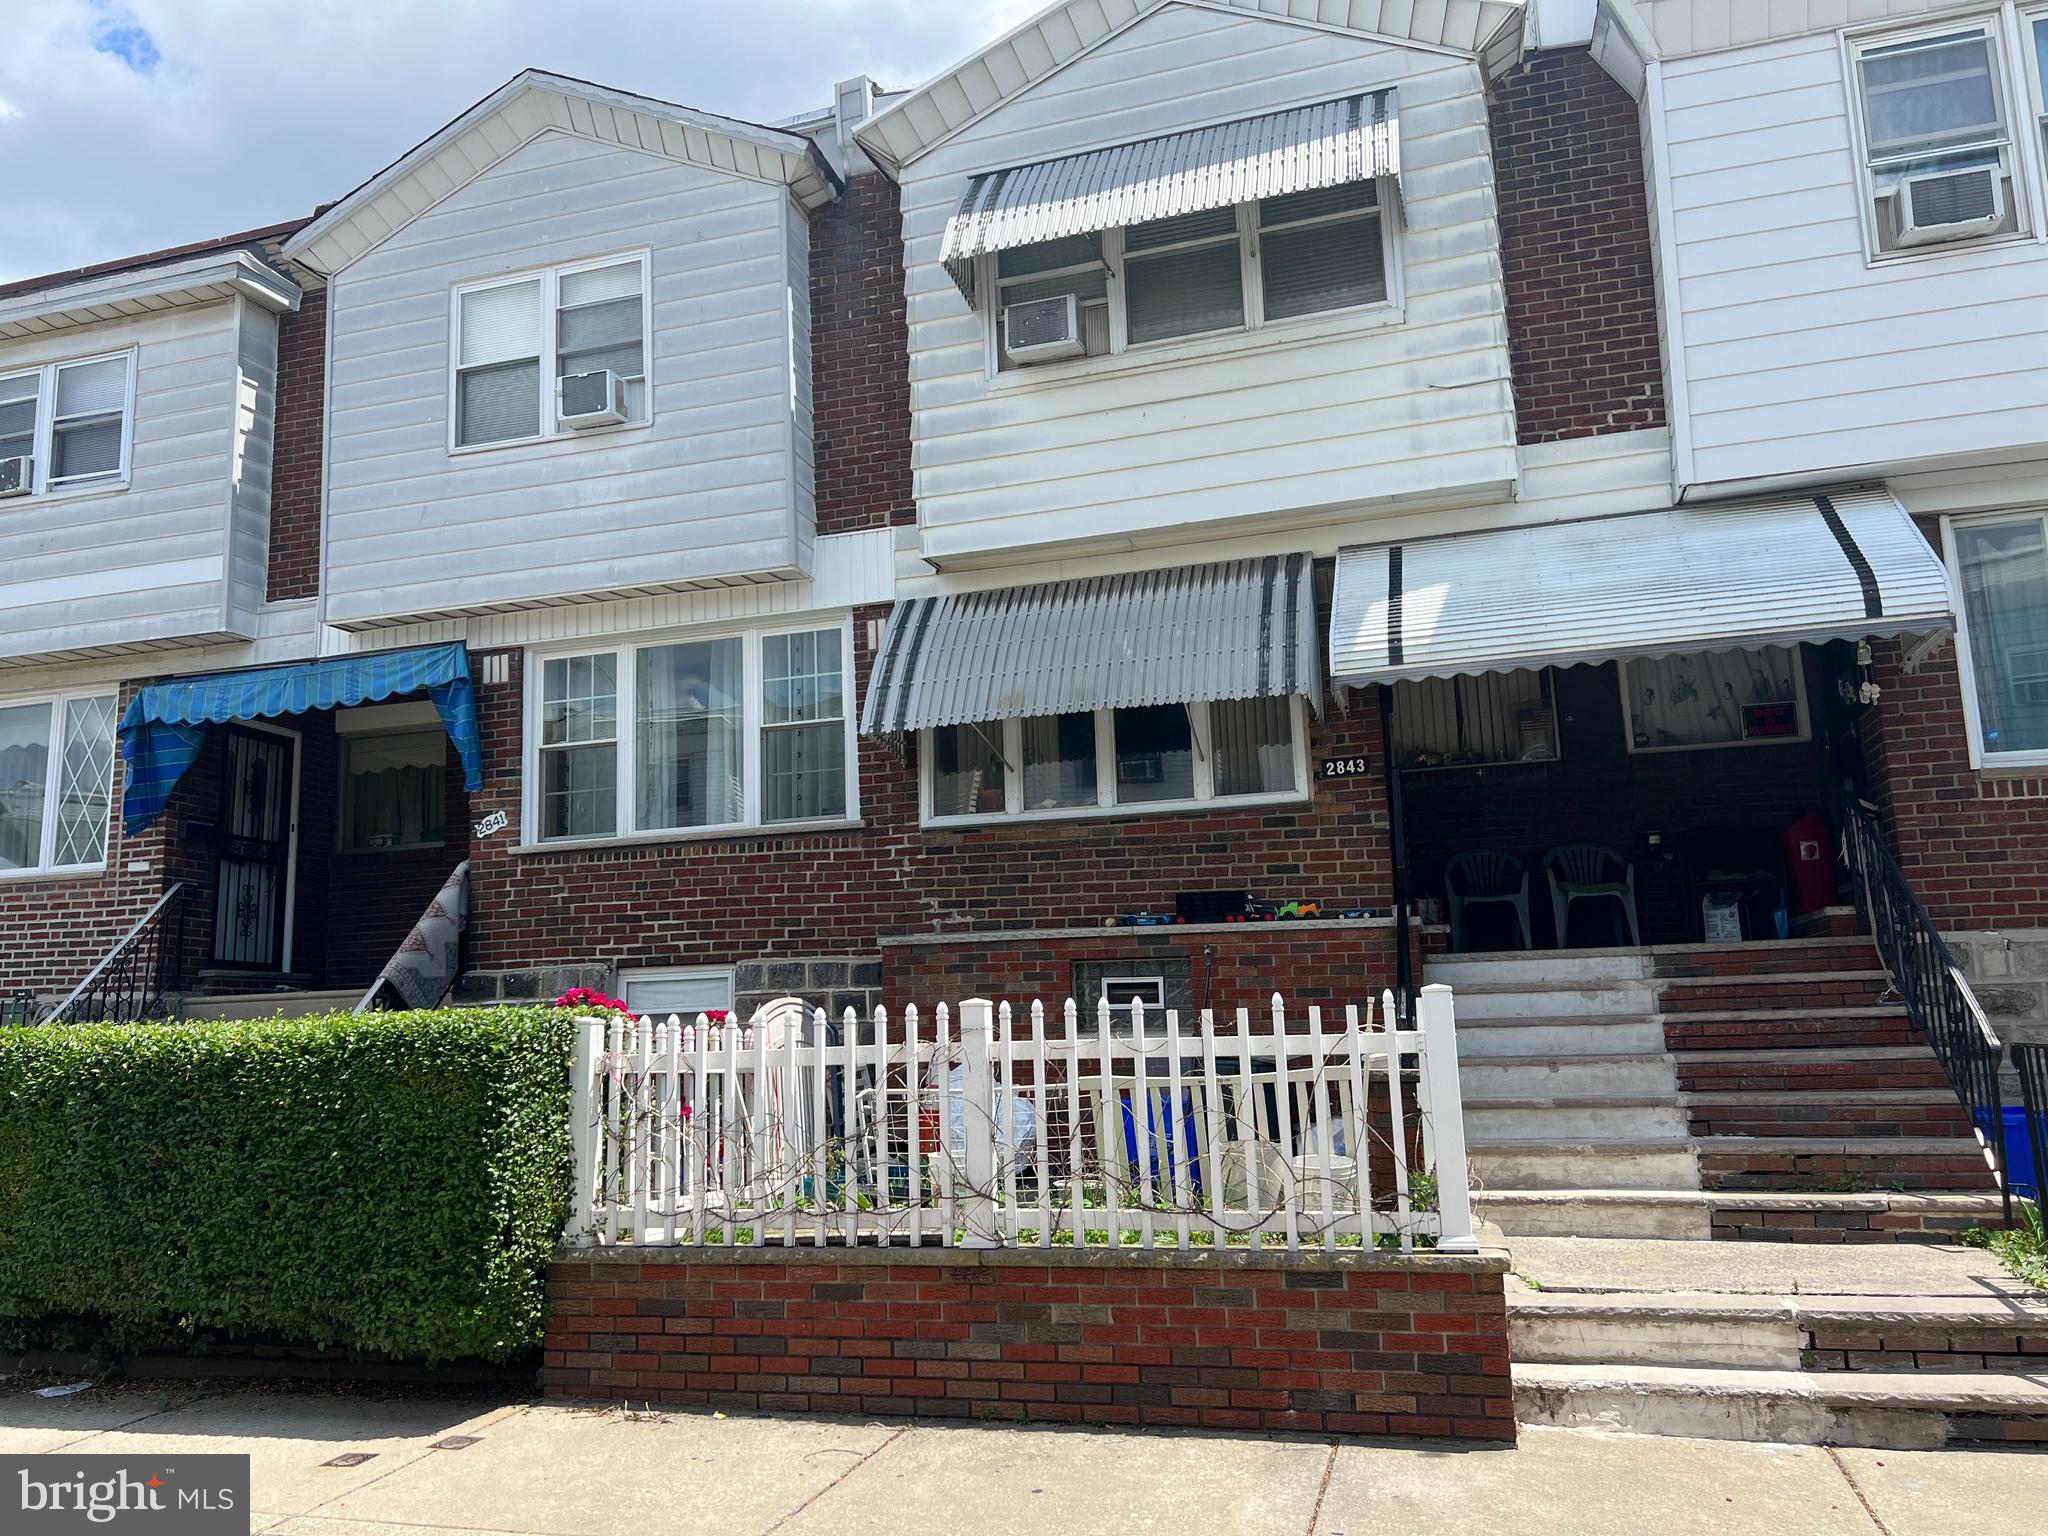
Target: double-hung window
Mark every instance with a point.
(1152, 757)
(56, 782)
(1940, 161)
(1220, 271)
(2000, 563)
(517, 338)
(727, 731)
(70, 421)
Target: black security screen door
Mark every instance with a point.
(255, 850)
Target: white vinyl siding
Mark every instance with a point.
(1115, 762)
(1794, 354)
(713, 484)
(171, 547)
(691, 734)
(1327, 410)
(56, 782)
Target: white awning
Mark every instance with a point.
(1355, 138)
(1237, 629)
(1843, 566)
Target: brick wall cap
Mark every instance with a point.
(1487, 1261)
(1012, 935)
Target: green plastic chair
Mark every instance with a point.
(1590, 872)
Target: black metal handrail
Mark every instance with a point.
(130, 984)
(1924, 973)
(2031, 1061)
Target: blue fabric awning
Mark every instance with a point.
(165, 725)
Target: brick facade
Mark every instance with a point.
(791, 897)
(860, 360)
(1352, 1344)
(1575, 250)
(295, 472)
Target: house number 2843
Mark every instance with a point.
(1344, 767)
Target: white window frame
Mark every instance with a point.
(2034, 93)
(1982, 759)
(1124, 352)
(629, 976)
(627, 650)
(46, 425)
(1149, 979)
(1799, 706)
(550, 278)
(2022, 151)
(46, 849)
(1106, 804)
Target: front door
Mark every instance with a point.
(254, 879)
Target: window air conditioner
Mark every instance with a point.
(17, 476)
(591, 399)
(1039, 330)
(1948, 205)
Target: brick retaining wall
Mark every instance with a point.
(1352, 1343)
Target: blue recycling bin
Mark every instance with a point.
(2019, 1156)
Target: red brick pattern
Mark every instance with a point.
(1575, 250)
(716, 900)
(1974, 846)
(1347, 1347)
(295, 468)
(1835, 1225)
(860, 360)
(1934, 1345)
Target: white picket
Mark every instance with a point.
(689, 1134)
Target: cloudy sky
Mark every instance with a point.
(131, 125)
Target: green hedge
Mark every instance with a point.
(392, 1182)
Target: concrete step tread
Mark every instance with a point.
(1710, 1099)
(1572, 1101)
(2020, 1314)
(1558, 984)
(1936, 1391)
(1772, 978)
(1467, 1023)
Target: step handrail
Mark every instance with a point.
(143, 966)
(1922, 969)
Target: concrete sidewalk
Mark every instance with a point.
(549, 1471)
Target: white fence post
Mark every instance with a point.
(1444, 1104)
(978, 1109)
(584, 1098)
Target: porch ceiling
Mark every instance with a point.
(1848, 565)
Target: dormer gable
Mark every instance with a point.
(534, 103)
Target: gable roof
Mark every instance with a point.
(1487, 30)
(536, 102)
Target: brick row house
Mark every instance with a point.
(1495, 474)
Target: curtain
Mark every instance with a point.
(692, 726)
(1696, 700)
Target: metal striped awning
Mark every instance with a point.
(1238, 629)
(1355, 138)
(1848, 565)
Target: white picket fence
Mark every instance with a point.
(1286, 1129)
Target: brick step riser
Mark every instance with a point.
(1792, 1033)
(1750, 961)
(1926, 1348)
(1762, 992)
(1818, 1076)
(1874, 1121)
(1881, 1168)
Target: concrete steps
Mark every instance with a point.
(1910, 1410)
(1828, 1219)
(1930, 1348)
